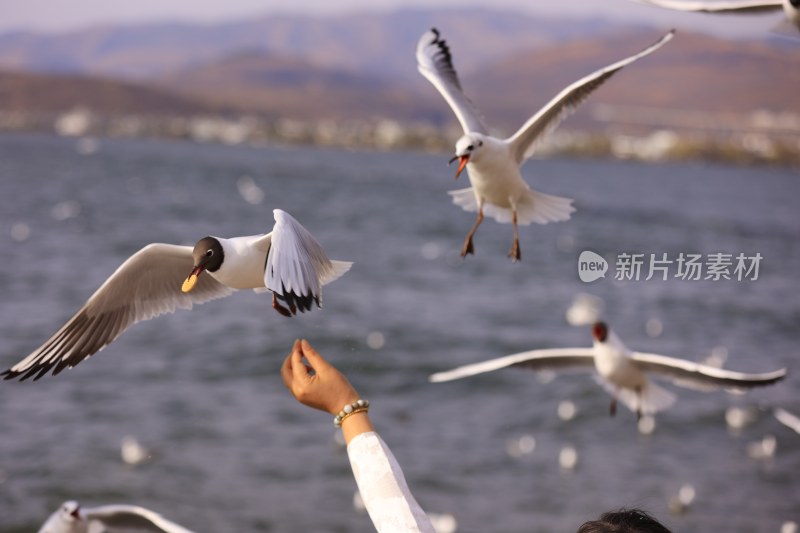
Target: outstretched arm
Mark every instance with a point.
(380, 480)
(318, 384)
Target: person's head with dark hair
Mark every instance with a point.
(624, 521)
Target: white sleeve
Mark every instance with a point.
(383, 488)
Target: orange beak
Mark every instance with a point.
(462, 162)
(188, 284)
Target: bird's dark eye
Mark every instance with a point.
(209, 253)
(480, 143)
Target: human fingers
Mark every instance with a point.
(286, 367)
(300, 371)
(334, 390)
(316, 361)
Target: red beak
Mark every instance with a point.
(462, 162)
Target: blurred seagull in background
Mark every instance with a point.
(763, 449)
(132, 452)
(586, 309)
(493, 164)
(791, 8)
(287, 261)
(71, 518)
(681, 502)
(622, 372)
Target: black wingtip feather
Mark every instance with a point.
(301, 302)
(442, 45)
(289, 298)
(446, 55)
(42, 372)
(36, 372)
(22, 376)
(60, 366)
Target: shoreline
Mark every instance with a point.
(616, 141)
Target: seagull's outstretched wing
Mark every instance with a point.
(549, 359)
(523, 142)
(297, 266)
(436, 64)
(146, 285)
(724, 6)
(694, 375)
(131, 517)
(788, 419)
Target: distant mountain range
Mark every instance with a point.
(378, 43)
(294, 87)
(31, 92)
(363, 66)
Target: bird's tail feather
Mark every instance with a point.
(337, 268)
(533, 207)
(543, 208)
(465, 199)
(653, 399)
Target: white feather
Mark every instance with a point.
(296, 262)
(533, 206)
(718, 6)
(435, 63)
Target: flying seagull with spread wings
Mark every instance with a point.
(791, 8)
(288, 261)
(72, 518)
(493, 164)
(622, 372)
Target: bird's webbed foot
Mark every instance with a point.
(468, 248)
(281, 309)
(515, 253)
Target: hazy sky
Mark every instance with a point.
(63, 15)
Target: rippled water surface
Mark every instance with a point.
(235, 453)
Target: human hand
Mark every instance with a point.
(317, 384)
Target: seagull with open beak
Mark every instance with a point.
(493, 164)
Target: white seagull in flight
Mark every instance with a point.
(623, 372)
(71, 518)
(493, 164)
(791, 8)
(287, 261)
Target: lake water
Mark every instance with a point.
(236, 453)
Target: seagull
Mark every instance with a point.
(682, 502)
(584, 310)
(493, 164)
(288, 261)
(791, 8)
(622, 372)
(763, 449)
(132, 452)
(71, 518)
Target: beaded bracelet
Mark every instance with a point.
(358, 406)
